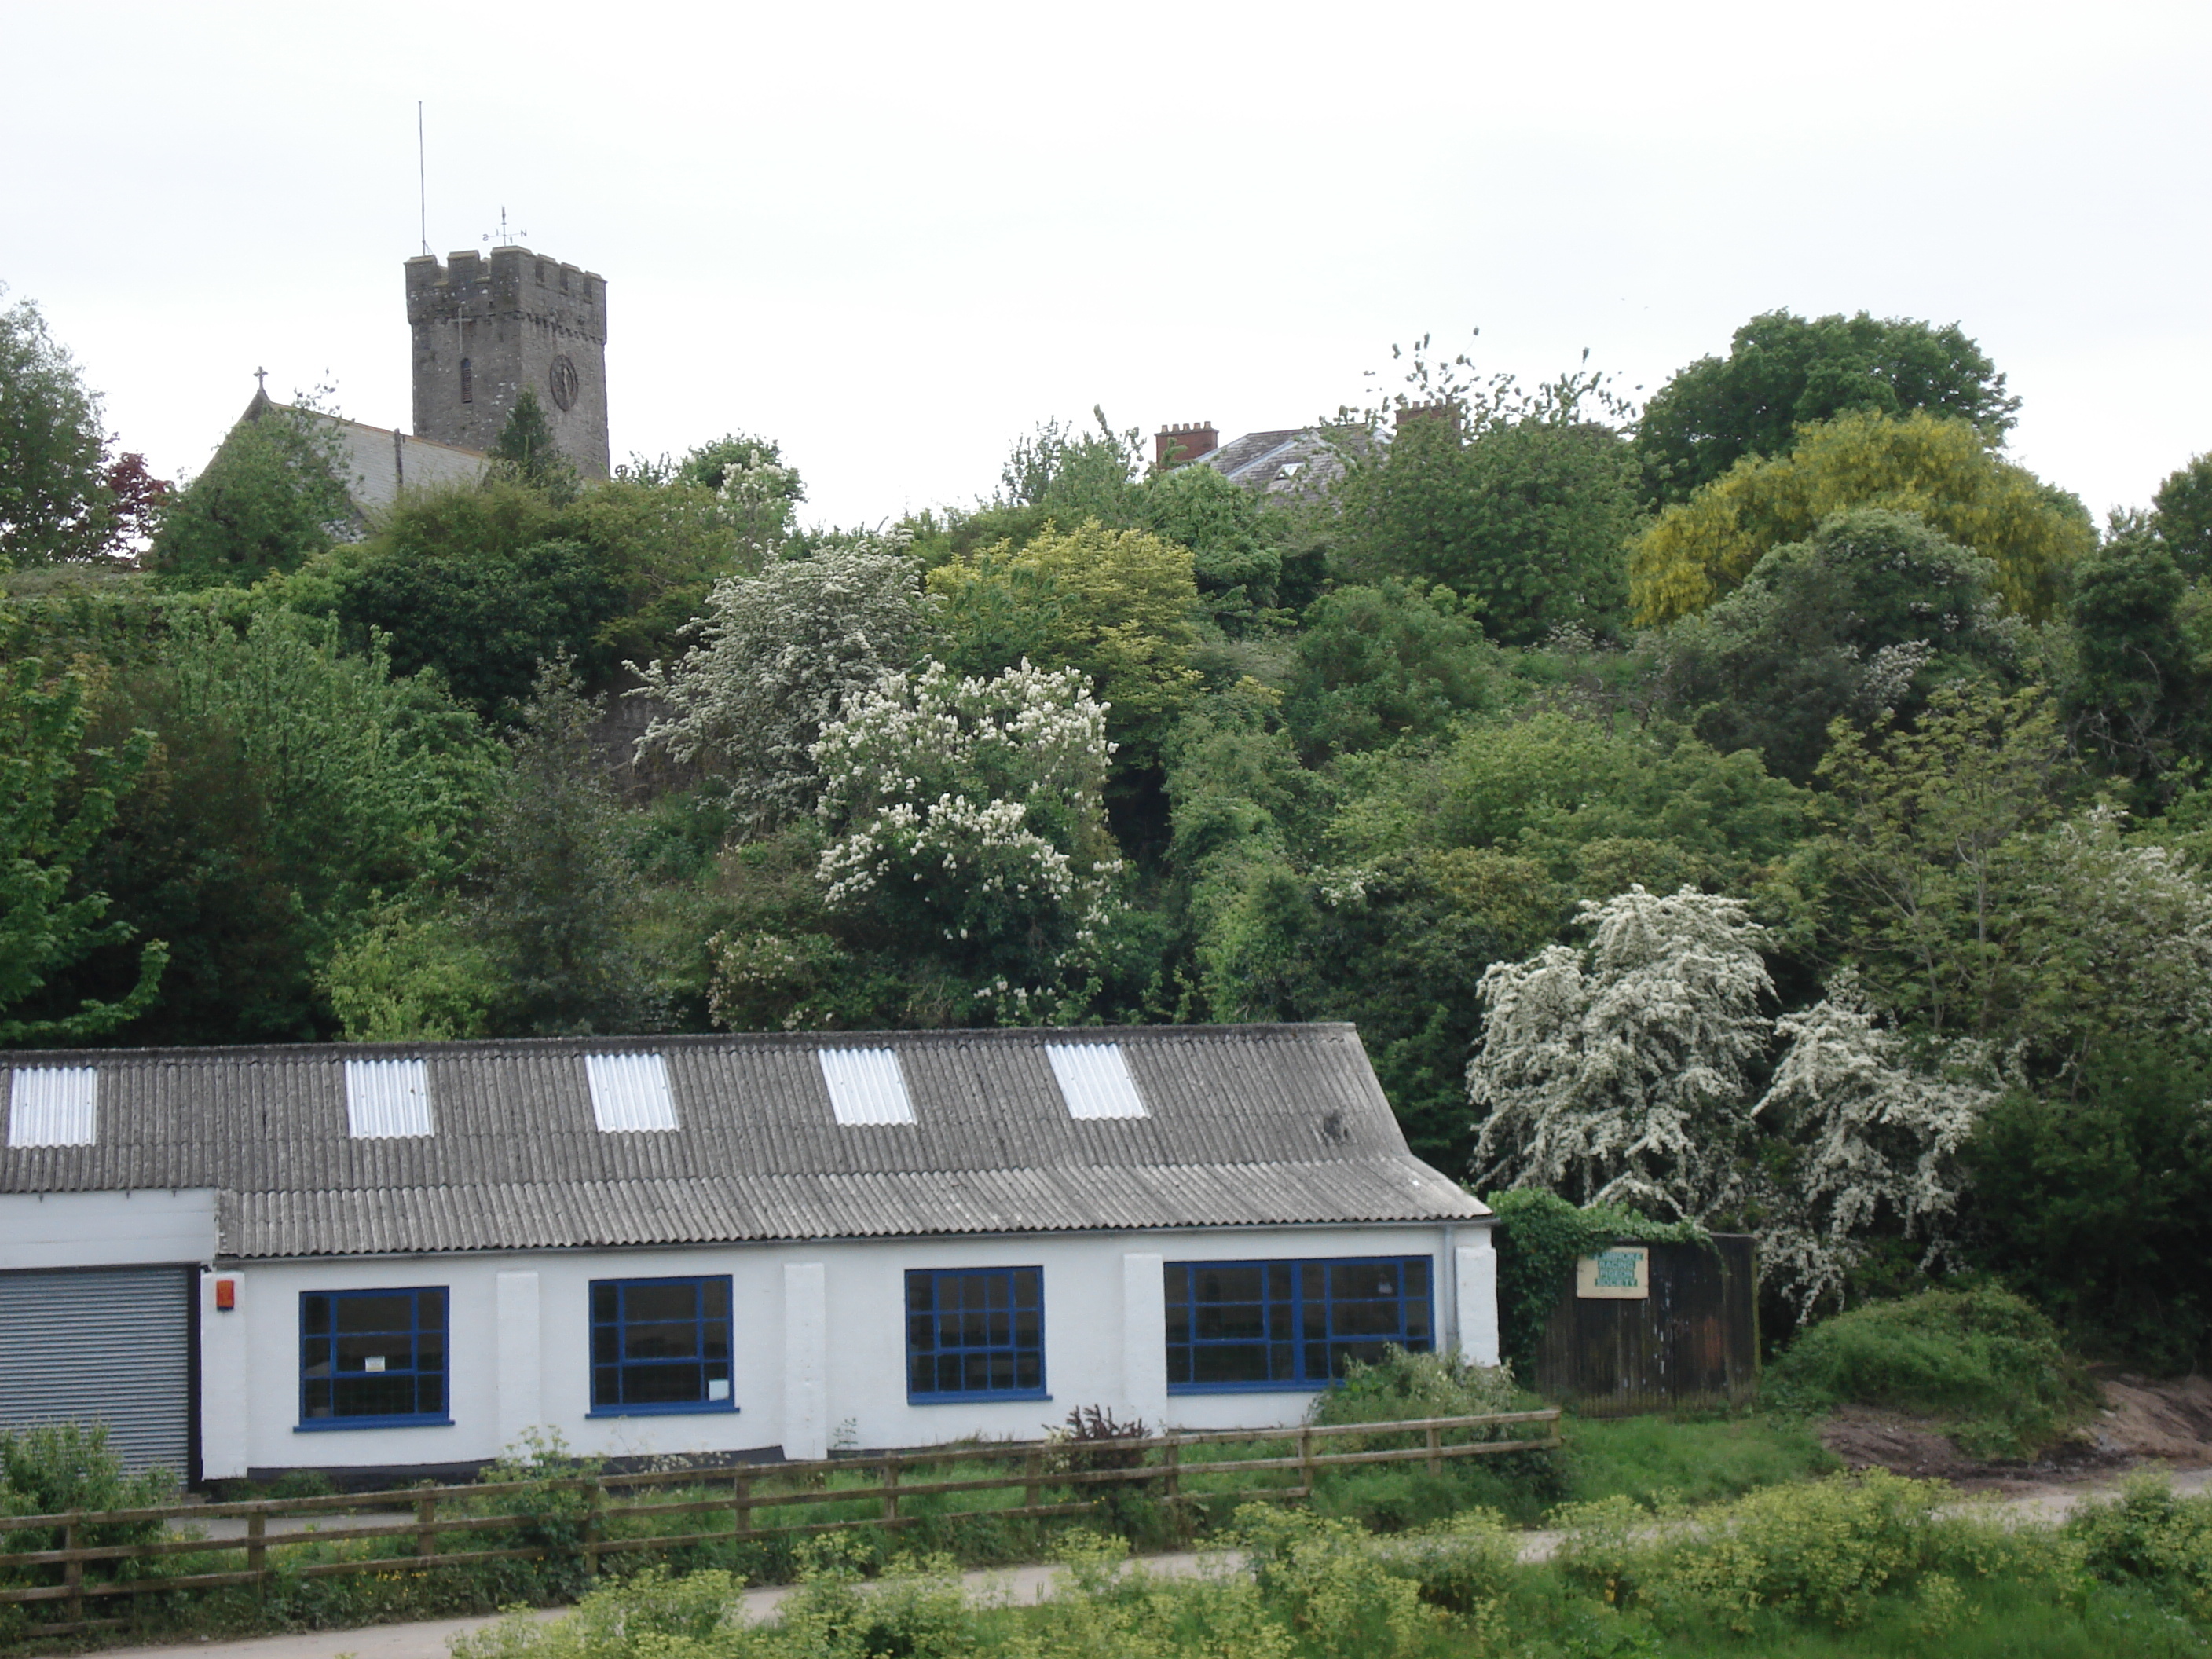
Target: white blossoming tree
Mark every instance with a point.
(777, 656)
(966, 817)
(1871, 1140)
(1620, 1074)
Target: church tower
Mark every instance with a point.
(487, 327)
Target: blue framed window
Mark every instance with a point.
(1237, 1327)
(974, 1333)
(372, 1359)
(661, 1345)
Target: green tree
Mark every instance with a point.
(2096, 1201)
(1526, 519)
(1235, 567)
(527, 452)
(57, 796)
(559, 892)
(1784, 372)
(1380, 662)
(1115, 604)
(2181, 516)
(55, 499)
(294, 788)
(1941, 469)
(1976, 906)
(1850, 622)
(2136, 697)
(271, 497)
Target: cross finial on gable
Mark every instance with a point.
(261, 378)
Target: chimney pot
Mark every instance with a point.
(1182, 441)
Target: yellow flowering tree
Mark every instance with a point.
(1941, 469)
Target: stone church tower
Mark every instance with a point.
(485, 328)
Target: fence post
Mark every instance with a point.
(73, 1571)
(592, 1518)
(1171, 1462)
(426, 1526)
(741, 1504)
(1032, 1479)
(891, 1491)
(1305, 1461)
(257, 1553)
(1435, 1449)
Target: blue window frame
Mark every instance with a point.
(372, 1359)
(974, 1333)
(661, 1345)
(1239, 1326)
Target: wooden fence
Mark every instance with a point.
(740, 1492)
(1690, 1345)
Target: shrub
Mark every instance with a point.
(1983, 1359)
(2151, 1536)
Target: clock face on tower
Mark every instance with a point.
(560, 381)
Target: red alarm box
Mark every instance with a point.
(226, 1295)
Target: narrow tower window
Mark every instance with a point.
(468, 383)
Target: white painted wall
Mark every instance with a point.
(820, 1343)
(106, 1229)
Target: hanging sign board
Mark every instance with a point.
(1621, 1273)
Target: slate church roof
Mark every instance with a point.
(600, 1142)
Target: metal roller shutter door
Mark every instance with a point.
(111, 1345)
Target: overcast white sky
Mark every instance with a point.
(893, 237)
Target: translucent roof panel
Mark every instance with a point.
(866, 1086)
(53, 1106)
(387, 1099)
(1094, 1080)
(629, 1093)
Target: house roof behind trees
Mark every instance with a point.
(582, 1142)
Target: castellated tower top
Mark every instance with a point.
(486, 327)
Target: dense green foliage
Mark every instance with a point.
(1981, 1359)
(1798, 647)
(1784, 372)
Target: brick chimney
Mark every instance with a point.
(1446, 412)
(1173, 445)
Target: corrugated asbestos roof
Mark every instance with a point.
(1246, 1126)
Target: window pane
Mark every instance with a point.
(662, 1385)
(715, 1296)
(1417, 1276)
(1178, 1283)
(917, 1293)
(1231, 1362)
(1230, 1284)
(1028, 1287)
(604, 1302)
(314, 1314)
(642, 1302)
(660, 1341)
(375, 1312)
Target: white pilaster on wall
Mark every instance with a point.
(805, 1360)
(521, 1374)
(224, 1425)
(1477, 1300)
(1144, 1339)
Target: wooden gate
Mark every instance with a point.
(1690, 1342)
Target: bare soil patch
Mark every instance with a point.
(2143, 1420)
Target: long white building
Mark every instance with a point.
(389, 1259)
